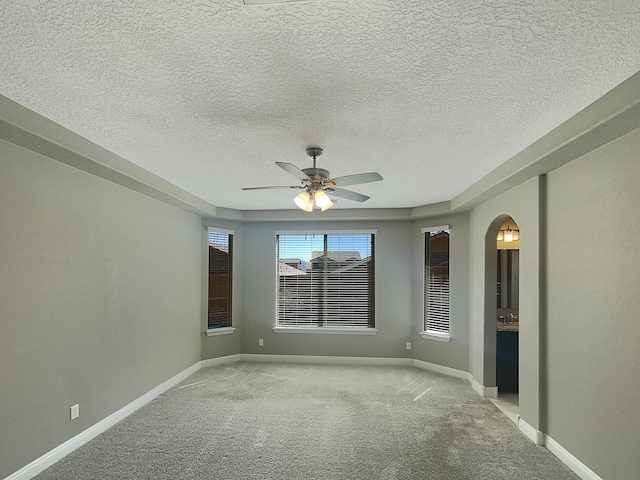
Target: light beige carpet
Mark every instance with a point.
(285, 421)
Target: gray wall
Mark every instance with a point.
(453, 354)
(99, 296)
(593, 290)
(394, 244)
(522, 204)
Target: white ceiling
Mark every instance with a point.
(208, 94)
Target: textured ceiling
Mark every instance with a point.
(208, 94)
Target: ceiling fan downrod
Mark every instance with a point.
(314, 152)
(317, 175)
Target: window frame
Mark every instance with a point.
(437, 335)
(228, 328)
(333, 329)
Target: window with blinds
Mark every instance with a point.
(325, 280)
(436, 280)
(220, 276)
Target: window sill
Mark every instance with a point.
(212, 332)
(437, 336)
(327, 330)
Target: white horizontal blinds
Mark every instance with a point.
(326, 280)
(299, 293)
(220, 272)
(436, 281)
(348, 263)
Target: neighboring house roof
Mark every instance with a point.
(353, 265)
(440, 253)
(338, 256)
(292, 261)
(288, 271)
(220, 246)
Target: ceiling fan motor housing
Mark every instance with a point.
(316, 174)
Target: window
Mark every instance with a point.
(220, 278)
(325, 280)
(436, 283)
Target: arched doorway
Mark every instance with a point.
(502, 312)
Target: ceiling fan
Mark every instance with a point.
(316, 184)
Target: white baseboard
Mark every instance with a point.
(434, 367)
(536, 436)
(379, 361)
(579, 468)
(212, 362)
(323, 359)
(58, 453)
(488, 392)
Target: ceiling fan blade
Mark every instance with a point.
(356, 179)
(293, 170)
(273, 187)
(349, 195)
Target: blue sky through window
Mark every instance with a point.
(302, 246)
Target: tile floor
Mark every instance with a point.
(508, 404)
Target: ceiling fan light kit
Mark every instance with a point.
(317, 184)
(305, 200)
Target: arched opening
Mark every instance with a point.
(502, 312)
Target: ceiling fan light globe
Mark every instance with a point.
(304, 201)
(309, 206)
(322, 199)
(327, 205)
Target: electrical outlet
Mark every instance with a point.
(75, 411)
(408, 346)
(260, 342)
